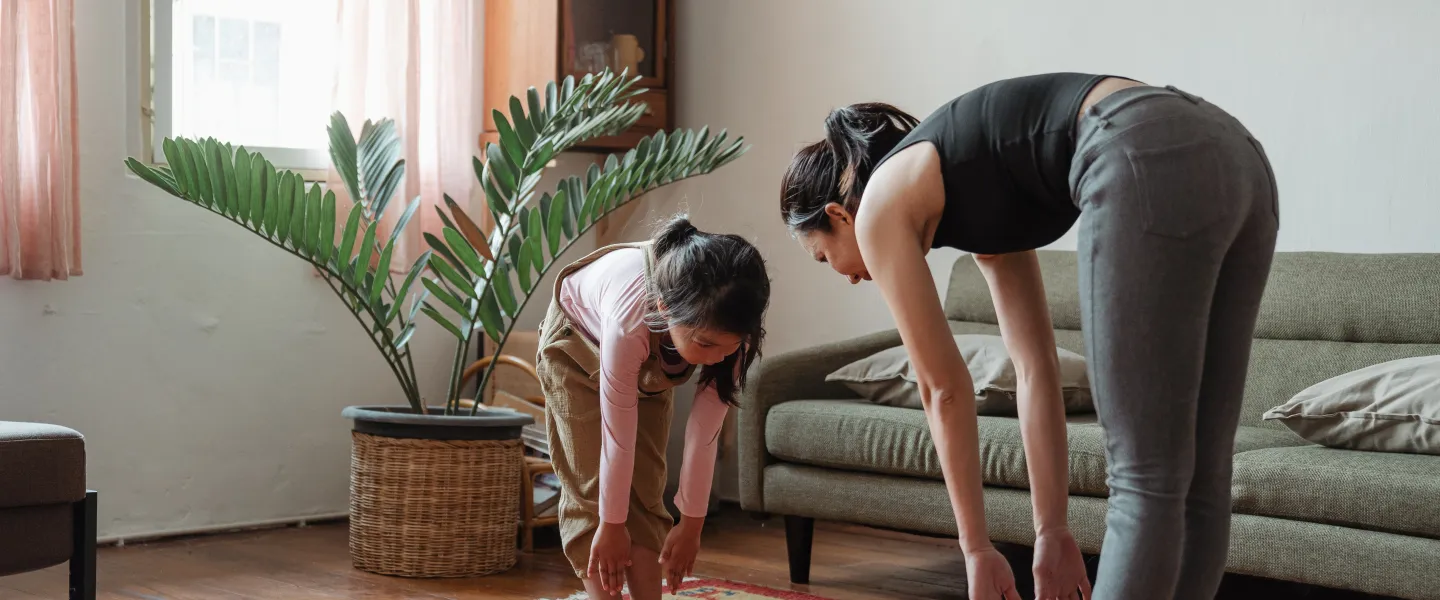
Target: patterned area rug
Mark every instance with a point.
(719, 589)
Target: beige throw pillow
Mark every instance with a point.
(1389, 407)
(886, 377)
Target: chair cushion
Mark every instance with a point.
(859, 436)
(40, 464)
(34, 537)
(1367, 490)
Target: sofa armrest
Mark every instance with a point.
(796, 375)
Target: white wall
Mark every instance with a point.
(218, 399)
(1342, 93)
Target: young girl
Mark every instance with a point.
(627, 324)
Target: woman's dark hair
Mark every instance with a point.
(837, 168)
(715, 281)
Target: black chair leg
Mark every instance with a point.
(799, 538)
(82, 557)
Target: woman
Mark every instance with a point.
(1178, 215)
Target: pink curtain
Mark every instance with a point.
(39, 152)
(417, 62)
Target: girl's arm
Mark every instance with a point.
(697, 470)
(1019, 296)
(889, 231)
(622, 351)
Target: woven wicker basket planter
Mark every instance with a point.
(434, 496)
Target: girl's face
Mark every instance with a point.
(703, 346)
(837, 247)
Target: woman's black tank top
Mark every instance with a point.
(1005, 151)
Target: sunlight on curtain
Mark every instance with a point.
(39, 151)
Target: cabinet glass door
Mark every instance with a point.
(619, 34)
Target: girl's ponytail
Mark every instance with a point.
(674, 234)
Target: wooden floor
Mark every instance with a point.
(851, 563)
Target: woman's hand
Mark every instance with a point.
(989, 576)
(1059, 568)
(610, 556)
(677, 559)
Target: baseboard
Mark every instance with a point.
(121, 540)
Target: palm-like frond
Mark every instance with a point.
(278, 206)
(486, 282)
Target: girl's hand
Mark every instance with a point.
(677, 559)
(610, 556)
(1059, 568)
(989, 576)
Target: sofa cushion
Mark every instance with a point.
(41, 464)
(1368, 490)
(887, 377)
(859, 436)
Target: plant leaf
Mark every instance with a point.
(297, 221)
(514, 249)
(490, 317)
(463, 251)
(537, 112)
(327, 227)
(504, 292)
(443, 295)
(347, 237)
(440, 248)
(367, 249)
(448, 272)
(469, 229)
(523, 127)
(509, 142)
(272, 199)
(284, 212)
(537, 260)
(217, 175)
(501, 170)
(382, 275)
(343, 155)
(405, 219)
(199, 168)
(438, 318)
(242, 185)
(405, 336)
(177, 165)
(537, 225)
(257, 190)
(404, 289)
(313, 205)
(556, 218)
(151, 176)
(386, 190)
(522, 266)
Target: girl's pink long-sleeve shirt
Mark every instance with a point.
(606, 300)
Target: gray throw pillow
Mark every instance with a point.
(1390, 407)
(886, 377)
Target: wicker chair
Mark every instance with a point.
(534, 406)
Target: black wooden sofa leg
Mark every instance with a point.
(82, 556)
(799, 535)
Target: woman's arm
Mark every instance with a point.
(890, 238)
(1019, 295)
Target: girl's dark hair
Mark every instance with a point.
(837, 168)
(715, 281)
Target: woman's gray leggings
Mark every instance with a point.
(1179, 213)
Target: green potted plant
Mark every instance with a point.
(435, 488)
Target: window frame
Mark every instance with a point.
(155, 97)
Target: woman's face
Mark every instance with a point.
(837, 247)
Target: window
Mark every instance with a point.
(256, 73)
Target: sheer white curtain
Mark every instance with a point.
(39, 150)
(417, 62)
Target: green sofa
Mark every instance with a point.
(1343, 519)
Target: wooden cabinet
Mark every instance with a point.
(529, 43)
